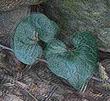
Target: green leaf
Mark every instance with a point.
(76, 66)
(28, 32)
(28, 54)
(45, 27)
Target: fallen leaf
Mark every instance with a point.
(76, 66)
(28, 33)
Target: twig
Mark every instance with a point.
(51, 93)
(31, 95)
(97, 79)
(24, 87)
(100, 80)
(83, 89)
(4, 47)
(42, 60)
(27, 67)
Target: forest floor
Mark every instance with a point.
(38, 83)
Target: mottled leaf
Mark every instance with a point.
(29, 31)
(76, 66)
(45, 27)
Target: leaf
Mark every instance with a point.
(28, 54)
(46, 28)
(76, 66)
(102, 72)
(29, 31)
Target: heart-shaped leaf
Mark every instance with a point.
(29, 31)
(76, 66)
